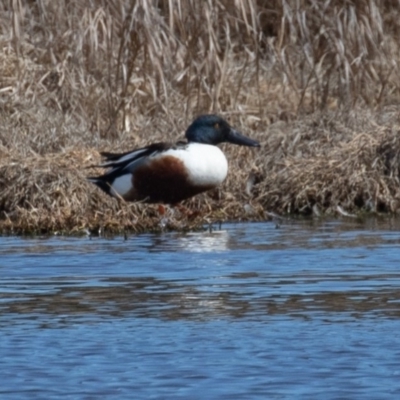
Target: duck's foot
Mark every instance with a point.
(170, 215)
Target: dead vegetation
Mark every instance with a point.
(316, 82)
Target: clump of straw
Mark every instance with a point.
(315, 82)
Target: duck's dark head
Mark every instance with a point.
(212, 129)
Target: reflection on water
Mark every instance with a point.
(238, 295)
(243, 270)
(229, 312)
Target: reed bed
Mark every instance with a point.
(316, 82)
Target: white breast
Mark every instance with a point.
(206, 164)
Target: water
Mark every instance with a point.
(308, 310)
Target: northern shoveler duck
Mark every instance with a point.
(169, 173)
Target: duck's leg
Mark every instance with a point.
(175, 214)
(168, 214)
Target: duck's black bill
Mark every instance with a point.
(236, 137)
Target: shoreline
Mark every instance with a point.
(300, 169)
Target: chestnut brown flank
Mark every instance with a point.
(163, 181)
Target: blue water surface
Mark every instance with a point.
(304, 310)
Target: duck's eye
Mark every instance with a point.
(216, 125)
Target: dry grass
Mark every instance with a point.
(316, 82)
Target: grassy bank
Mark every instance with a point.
(317, 84)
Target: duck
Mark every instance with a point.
(168, 173)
